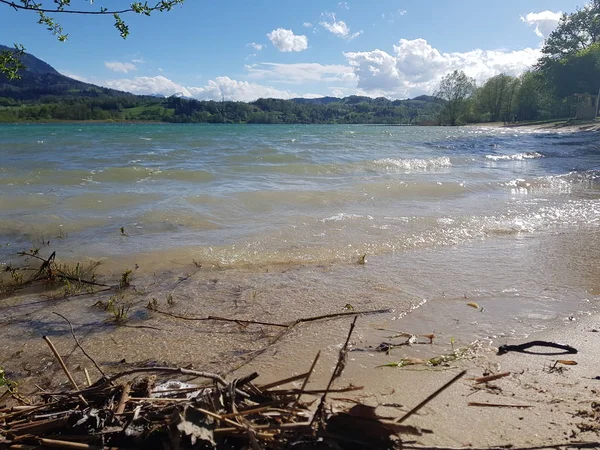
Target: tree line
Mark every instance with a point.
(570, 64)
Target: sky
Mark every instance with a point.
(244, 50)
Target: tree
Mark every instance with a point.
(577, 73)
(575, 32)
(496, 97)
(571, 55)
(10, 63)
(455, 89)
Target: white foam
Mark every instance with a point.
(410, 165)
(517, 157)
(343, 216)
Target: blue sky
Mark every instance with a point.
(244, 50)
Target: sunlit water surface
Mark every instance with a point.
(507, 218)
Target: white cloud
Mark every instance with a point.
(338, 27)
(158, 85)
(416, 67)
(402, 12)
(545, 22)
(300, 73)
(116, 66)
(255, 46)
(214, 90)
(343, 5)
(307, 25)
(286, 41)
(138, 61)
(75, 76)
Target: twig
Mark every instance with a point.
(314, 391)
(491, 377)
(431, 397)
(81, 348)
(344, 314)
(143, 327)
(305, 383)
(265, 387)
(498, 405)
(339, 367)
(271, 324)
(87, 377)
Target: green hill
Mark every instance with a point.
(43, 94)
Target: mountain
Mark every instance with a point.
(40, 79)
(43, 94)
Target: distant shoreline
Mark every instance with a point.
(564, 125)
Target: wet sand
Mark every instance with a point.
(561, 401)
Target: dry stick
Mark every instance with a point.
(315, 391)
(491, 377)
(62, 363)
(344, 314)
(284, 381)
(498, 405)
(280, 325)
(87, 377)
(71, 445)
(124, 399)
(305, 383)
(82, 349)
(219, 319)
(337, 371)
(431, 397)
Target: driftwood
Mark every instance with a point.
(128, 410)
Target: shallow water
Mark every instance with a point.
(507, 218)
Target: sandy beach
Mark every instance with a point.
(541, 403)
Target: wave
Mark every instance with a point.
(517, 157)
(565, 184)
(412, 165)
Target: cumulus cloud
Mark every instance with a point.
(343, 5)
(300, 73)
(75, 76)
(286, 41)
(545, 22)
(255, 46)
(307, 25)
(415, 67)
(117, 66)
(214, 90)
(338, 27)
(158, 85)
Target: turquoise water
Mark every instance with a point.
(509, 218)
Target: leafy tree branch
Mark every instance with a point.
(10, 64)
